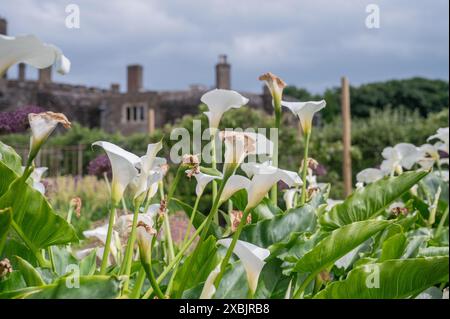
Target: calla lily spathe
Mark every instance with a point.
(369, 175)
(202, 181)
(403, 155)
(124, 222)
(263, 178)
(123, 164)
(305, 111)
(219, 101)
(234, 184)
(443, 135)
(252, 258)
(289, 197)
(100, 233)
(42, 125)
(30, 50)
(238, 145)
(36, 177)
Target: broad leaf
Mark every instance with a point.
(30, 274)
(5, 222)
(272, 284)
(339, 243)
(233, 284)
(393, 247)
(10, 158)
(370, 201)
(269, 231)
(390, 279)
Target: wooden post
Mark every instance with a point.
(80, 160)
(346, 136)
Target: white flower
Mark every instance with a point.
(234, 184)
(403, 155)
(305, 111)
(443, 135)
(124, 222)
(332, 202)
(219, 101)
(202, 181)
(289, 196)
(209, 289)
(264, 177)
(100, 233)
(369, 175)
(30, 50)
(123, 165)
(36, 177)
(252, 258)
(431, 155)
(42, 125)
(238, 145)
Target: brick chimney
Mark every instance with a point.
(45, 75)
(21, 72)
(115, 87)
(223, 73)
(134, 78)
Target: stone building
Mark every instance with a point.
(135, 110)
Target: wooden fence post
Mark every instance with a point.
(346, 136)
(80, 159)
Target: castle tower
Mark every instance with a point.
(134, 78)
(223, 73)
(45, 75)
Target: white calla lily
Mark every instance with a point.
(234, 184)
(209, 289)
(124, 222)
(369, 175)
(403, 155)
(123, 164)
(202, 181)
(219, 101)
(252, 258)
(264, 178)
(305, 111)
(36, 177)
(42, 125)
(100, 233)
(443, 135)
(30, 50)
(289, 197)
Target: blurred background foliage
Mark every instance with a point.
(383, 114)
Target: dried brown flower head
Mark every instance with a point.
(5, 267)
(76, 204)
(236, 217)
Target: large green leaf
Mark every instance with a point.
(269, 231)
(206, 260)
(234, 283)
(34, 216)
(30, 274)
(10, 158)
(370, 201)
(5, 222)
(390, 279)
(393, 247)
(339, 243)
(272, 284)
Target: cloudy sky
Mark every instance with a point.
(309, 43)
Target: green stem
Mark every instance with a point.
(105, 257)
(69, 214)
(128, 258)
(166, 224)
(191, 220)
(176, 260)
(305, 169)
(273, 191)
(305, 284)
(441, 224)
(214, 166)
(41, 260)
(135, 293)
(146, 260)
(52, 259)
(229, 252)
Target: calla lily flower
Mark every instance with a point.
(234, 184)
(403, 155)
(42, 125)
(144, 235)
(305, 112)
(238, 145)
(123, 164)
(252, 258)
(275, 85)
(209, 289)
(202, 181)
(289, 196)
(369, 175)
(100, 233)
(124, 222)
(264, 177)
(36, 177)
(443, 135)
(219, 101)
(30, 50)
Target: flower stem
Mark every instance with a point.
(105, 256)
(438, 231)
(214, 166)
(191, 220)
(273, 191)
(126, 263)
(305, 169)
(146, 260)
(135, 293)
(305, 284)
(166, 223)
(229, 252)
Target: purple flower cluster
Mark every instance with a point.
(17, 121)
(100, 165)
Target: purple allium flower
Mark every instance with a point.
(100, 165)
(320, 170)
(17, 121)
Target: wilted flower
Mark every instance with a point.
(5, 267)
(235, 219)
(30, 50)
(76, 204)
(219, 101)
(17, 121)
(42, 125)
(275, 85)
(305, 112)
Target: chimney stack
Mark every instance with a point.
(223, 73)
(45, 75)
(134, 78)
(115, 87)
(21, 72)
